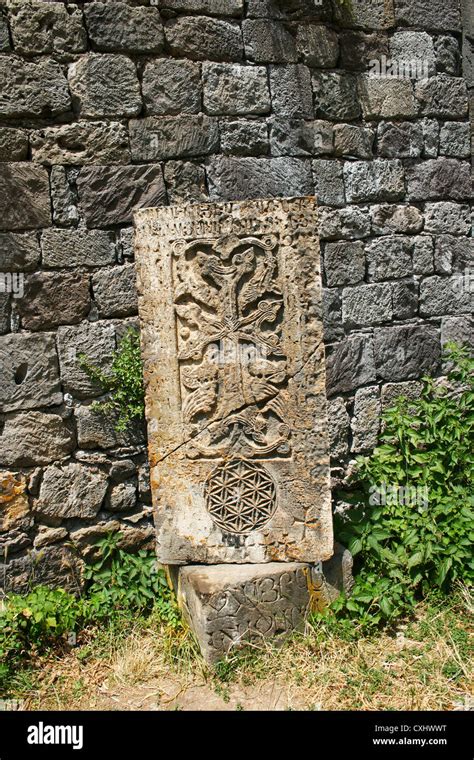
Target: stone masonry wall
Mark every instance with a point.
(107, 107)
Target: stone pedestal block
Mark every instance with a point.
(232, 606)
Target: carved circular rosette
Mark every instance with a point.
(240, 496)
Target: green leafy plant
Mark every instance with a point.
(123, 383)
(412, 529)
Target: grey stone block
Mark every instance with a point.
(442, 97)
(387, 219)
(382, 98)
(391, 392)
(94, 339)
(268, 41)
(440, 15)
(318, 46)
(50, 566)
(344, 263)
(77, 248)
(54, 298)
(389, 257)
(171, 87)
(13, 144)
(63, 197)
(119, 27)
(423, 254)
(19, 252)
(440, 178)
(243, 137)
(376, 14)
(447, 295)
(240, 178)
(38, 28)
(406, 352)
(185, 181)
(375, 181)
(350, 364)
(231, 606)
(455, 139)
(81, 143)
(234, 90)
(34, 438)
(201, 38)
(97, 430)
(367, 305)
(207, 7)
(291, 91)
(160, 137)
(353, 141)
(365, 423)
(400, 140)
(453, 254)
(335, 96)
(458, 330)
(448, 55)
(329, 182)
(114, 291)
(339, 424)
(122, 497)
(30, 375)
(414, 47)
(4, 34)
(359, 48)
(332, 315)
(24, 197)
(452, 218)
(105, 86)
(71, 491)
(32, 89)
(110, 194)
(344, 224)
(404, 299)
(299, 137)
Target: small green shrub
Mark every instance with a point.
(412, 529)
(123, 384)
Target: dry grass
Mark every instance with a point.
(425, 665)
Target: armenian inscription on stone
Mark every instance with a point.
(231, 324)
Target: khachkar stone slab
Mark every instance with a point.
(230, 307)
(233, 606)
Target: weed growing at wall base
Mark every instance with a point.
(405, 548)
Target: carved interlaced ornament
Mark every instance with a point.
(240, 496)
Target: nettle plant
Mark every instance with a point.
(411, 530)
(123, 384)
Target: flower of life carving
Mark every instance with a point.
(240, 496)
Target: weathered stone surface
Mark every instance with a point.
(204, 424)
(239, 178)
(71, 491)
(291, 91)
(441, 15)
(4, 35)
(39, 28)
(438, 179)
(365, 422)
(430, 128)
(115, 292)
(231, 607)
(77, 248)
(30, 375)
(4, 313)
(234, 90)
(423, 254)
(447, 295)
(27, 88)
(406, 352)
(400, 140)
(391, 218)
(105, 86)
(332, 315)
(344, 263)
(350, 364)
(207, 7)
(20, 252)
(353, 141)
(390, 392)
(329, 182)
(404, 299)
(160, 137)
(338, 429)
(458, 330)
(122, 497)
(317, 45)
(243, 137)
(201, 38)
(54, 298)
(442, 96)
(13, 144)
(32, 438)
(447, 55)
(268, 41)
(377, 181)
(24, 196)
(299, 137)
(63, 197)
(367, 305)
(14, 508)
(81, 143)
(115, 26)
(366, 15)
(452, 218)
(386, 98)
(185, 181)
(97, 430)
(389, 257)
(416, 48)
(455, 139)
(94, 339)
(47, 536)
(453, 254)
(171, 87)
(49, 566)
(110, 195)
(344, 224)
(292, 10)
(335, 96)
